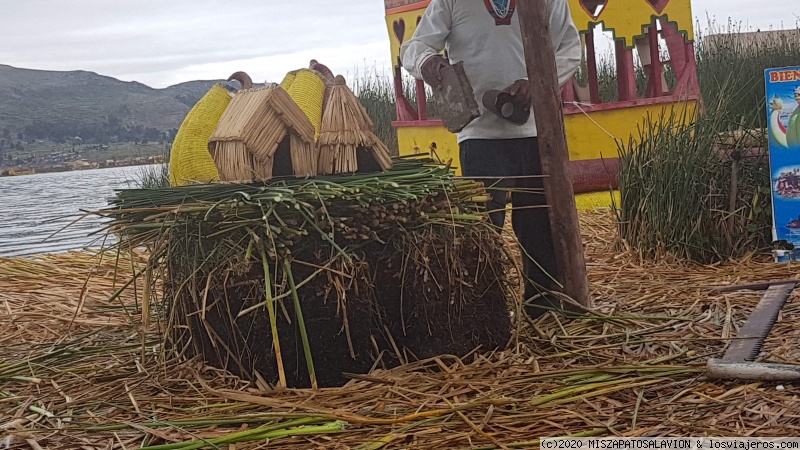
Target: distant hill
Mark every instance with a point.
(83, 100)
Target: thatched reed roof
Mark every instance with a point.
(346, 127)
(251, 131)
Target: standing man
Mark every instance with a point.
(485, 35)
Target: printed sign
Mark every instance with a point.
(783, 115)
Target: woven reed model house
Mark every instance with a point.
(263, 133)
(347, 142)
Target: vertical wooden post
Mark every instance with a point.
(547, 109)
(567, 93)
(405, 110)
(591, 65)
(626, 75)
(422, 101)
(676, 46)
(655, 60)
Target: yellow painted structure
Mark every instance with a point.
(402, 26)
(592, 129)
(412, 140)
(627, 18)
(592, 201)
(589, 137)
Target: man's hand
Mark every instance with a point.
(521, 90)
(431, 71)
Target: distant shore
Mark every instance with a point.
(47, 157)
(20, 171)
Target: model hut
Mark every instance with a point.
(346, 141)
(263, 133)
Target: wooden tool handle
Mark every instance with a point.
(724, 370)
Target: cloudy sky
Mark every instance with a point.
(163, 42)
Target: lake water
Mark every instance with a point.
(34, 207)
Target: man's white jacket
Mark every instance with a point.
(485, 36)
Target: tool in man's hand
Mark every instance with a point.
(505, 106)
(455, 101)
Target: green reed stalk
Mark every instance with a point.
(290, 428)
(287, 267)
(273, 318)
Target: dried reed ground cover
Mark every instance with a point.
(75, 371)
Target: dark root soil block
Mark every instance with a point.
(443, 292)
(433, 291)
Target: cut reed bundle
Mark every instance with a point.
(347, 130)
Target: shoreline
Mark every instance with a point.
(16, 172)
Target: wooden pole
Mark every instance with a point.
(547, 109)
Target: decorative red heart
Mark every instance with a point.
(594, 7)
(399, 27)
(658, 5)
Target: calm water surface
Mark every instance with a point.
(34, 207)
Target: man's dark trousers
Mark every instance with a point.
(489, 160)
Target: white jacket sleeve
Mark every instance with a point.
(429, 39)
(566, 40)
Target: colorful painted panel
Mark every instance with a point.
(394, 5)
(626, 18)
(401, 27)
(783, 92)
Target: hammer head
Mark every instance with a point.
(503, 105)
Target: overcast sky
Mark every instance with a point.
(163, 42)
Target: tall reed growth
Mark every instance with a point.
(608, 89)
(730, 69)
(699, 189)
(376, 92)
(153, 177)
(679, 195)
